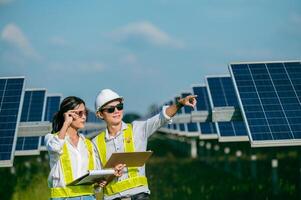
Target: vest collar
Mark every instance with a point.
(123, 127)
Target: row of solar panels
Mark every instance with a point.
(22, 113)
(257, 102)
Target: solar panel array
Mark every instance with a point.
(222, 94)
(268, 94)
(270, 100)
(11, 99)
(33, 110)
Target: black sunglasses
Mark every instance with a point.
(111, 109)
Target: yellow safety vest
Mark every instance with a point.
(73, 191)
(134, 179)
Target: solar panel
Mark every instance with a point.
(222, 94)
(33, 110)
(11, 99)
(207, 129)
(270, 99)
(28, 146)
(52, 106)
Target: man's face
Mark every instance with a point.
(112, 113)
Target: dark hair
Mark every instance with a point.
(69, 103)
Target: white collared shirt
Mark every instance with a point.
(78, 155)
(142, 130)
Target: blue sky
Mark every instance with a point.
(147, 51)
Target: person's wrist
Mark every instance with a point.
(66, 124)
(179, 104)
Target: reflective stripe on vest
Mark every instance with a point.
(134, 179)
(73, 191)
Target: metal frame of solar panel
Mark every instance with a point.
(206, 128)
(270, 99)
(11, 101)
(222, 95)
(53, 102)
(34, 101)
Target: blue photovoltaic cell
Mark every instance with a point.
(203, 104)
(52, 106)
(222, 91)
(33, 105)
(270, 95)
(222, 95)
(28, 143)
(191, 126)
(32, 110)
(11, 93)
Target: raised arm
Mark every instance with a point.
(187, 101)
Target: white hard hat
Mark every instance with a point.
(104, 97)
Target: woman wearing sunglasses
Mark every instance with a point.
(71, 154)
(122, 137)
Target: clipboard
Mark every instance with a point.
(131, 159)
(92, 177)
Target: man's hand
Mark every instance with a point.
(188, 101)
(119, 170)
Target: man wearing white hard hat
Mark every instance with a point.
(122, 137)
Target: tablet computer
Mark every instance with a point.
(93, 176)
(131, 159)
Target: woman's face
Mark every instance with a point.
(80, 116)
(112, 113)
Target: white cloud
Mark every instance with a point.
(58, 41)
(3, 2)
(146, 31)
(13, 35)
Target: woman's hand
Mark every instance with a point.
(188, 101)
(68, 117)
(119, 170)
